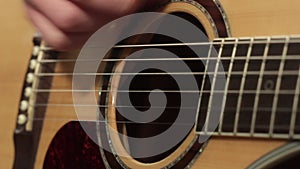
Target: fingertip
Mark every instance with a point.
(55, 37)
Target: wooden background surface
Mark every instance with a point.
(247, 18)
(15, 48)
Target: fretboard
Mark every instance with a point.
(260, 95)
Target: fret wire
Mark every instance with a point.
(258, 88)
(289, 57)
(295, 107)
(278, 83)
(213, 87)
(252, 125)
(202, 85)
(227, 85)
(298, 74)
(240, 97)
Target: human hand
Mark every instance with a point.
(67, 24)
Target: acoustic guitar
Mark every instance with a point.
(258, 122)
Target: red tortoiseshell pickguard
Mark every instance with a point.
(71, 148)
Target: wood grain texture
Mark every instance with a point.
(234, 153)
(261, 18)
(15, 43)
(246, 18)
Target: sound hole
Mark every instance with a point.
(291, 162)
(140, 87)
(140, 101)
(286, 156)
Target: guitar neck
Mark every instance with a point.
(261, 88)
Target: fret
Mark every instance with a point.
(238, 65)
(295, 107)
(259, 92)
(259, 46)
(268, 82)
(263, 114)
(292, 64)
(259, 84)
(286, 100)
(235, 81)
(227, 84)
(243, 46)
(289, 82)
(292, 81)
(272, 65)
(204, 80)
(251, 82)
(283, 113)
(203, 104)
(293, 47)
(234, 84)
(247, 98)
(254, 64)
(244, 120)
(228, 47)
(276, 47)
(252, 79)
(209, 108)
(241, 89)
(278, 83)
(229, 112)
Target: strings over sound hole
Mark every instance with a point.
(151, 87)
(140, 88)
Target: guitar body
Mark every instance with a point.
(62, 143)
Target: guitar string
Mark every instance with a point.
(229, 41)
(282, 110)
(71, 105)
(259, 40)
(139, 46)
(223, 58)
(105, 121)
(262, 126)
(165, 91)
(269, 72)
(285, 127)
(139, 91)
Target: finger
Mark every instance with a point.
(55, 37)
(120, 7)
(65, 15)
(112, 7)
